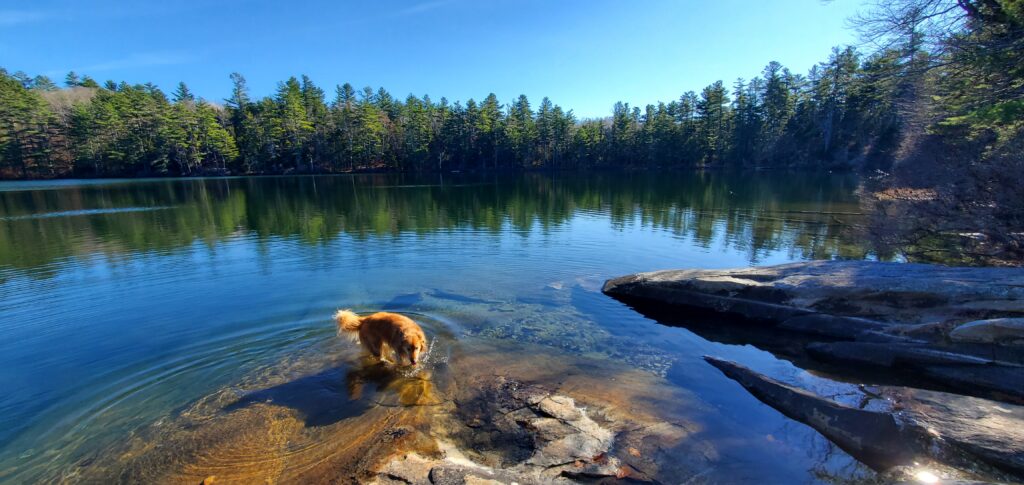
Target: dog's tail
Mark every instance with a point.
(348, 320)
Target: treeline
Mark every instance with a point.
(838, 115)
(942, 91)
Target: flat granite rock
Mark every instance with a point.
(874, 293)
(961, 328)
(950, 329)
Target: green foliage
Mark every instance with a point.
(125, 130)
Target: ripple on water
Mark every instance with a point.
(289, 417)
(321, 410)
(83, 212)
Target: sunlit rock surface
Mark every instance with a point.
(899, 317)
(938, 328)
(921, 425)
(486, 414)
(873, 295)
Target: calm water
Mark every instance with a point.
(125, 302)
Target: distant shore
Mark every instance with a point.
(389, 171)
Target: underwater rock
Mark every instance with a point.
(560, 407)
(938, 425)
(413, 469)
(329, 416)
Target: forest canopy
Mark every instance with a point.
(838, 115)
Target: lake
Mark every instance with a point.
(134, 312)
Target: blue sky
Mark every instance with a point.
(584, 55)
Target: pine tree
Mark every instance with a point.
(520, 133)
(244, 125)
(72, 80)
(292, 128)
(183, 94)
(714, 122)
(344, 122)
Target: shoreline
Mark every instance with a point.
(948, 341)
(371, 171)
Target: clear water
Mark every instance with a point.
(123, 303)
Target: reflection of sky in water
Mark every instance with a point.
(113, 320)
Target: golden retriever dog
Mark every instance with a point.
(399, 333)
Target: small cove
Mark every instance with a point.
(196, 340)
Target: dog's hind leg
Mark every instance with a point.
(375, 346)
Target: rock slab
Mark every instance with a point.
(961, 329)
(939, 425)
(868, 295)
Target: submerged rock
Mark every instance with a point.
(474, 417)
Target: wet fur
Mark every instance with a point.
(383, 329)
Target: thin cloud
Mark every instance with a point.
(16, 17)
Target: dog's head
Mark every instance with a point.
(414, 346)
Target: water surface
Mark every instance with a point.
(125, 304)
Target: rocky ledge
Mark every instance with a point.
(948, 428)
(959, 331)
(961, 328)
